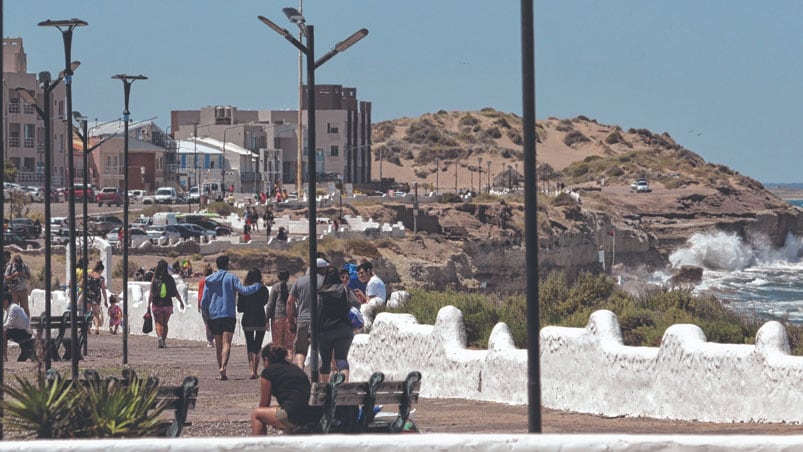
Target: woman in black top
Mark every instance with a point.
(160, 301)
(334, 326)
(291, 387)
(253, 321)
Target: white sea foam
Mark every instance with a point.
(718, 251)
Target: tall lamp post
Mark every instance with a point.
(83, 133)
(489, 177)
(437, 173)
(66, 28)
(479, 174)
(455, 176)
(127, 81)
(44, 115)
(309, 51)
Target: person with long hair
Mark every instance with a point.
(282, 379)
(16, 276)
(276, 312)
(334, 325)
(210, 338)
(95, 290)
(253, 320)
(160, 301)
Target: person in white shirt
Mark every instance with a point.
(374, 296)
(17, 325)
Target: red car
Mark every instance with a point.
(79, 192)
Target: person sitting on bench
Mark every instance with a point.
(290, 385)
(17, 327)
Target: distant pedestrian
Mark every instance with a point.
(115, 314)
(95, 290)
(17, 324)
(334, 326)
(276, 312)
(160, 300)
(17, 274)
(299, 310)
(210, 338)
(219, 301)
(375, 293)
(253, 320)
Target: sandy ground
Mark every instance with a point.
(224, 407)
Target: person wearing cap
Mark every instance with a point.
(220, 305)
(299, 310)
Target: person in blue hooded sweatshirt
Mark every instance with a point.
(220, 303)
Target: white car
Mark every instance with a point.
(641, 186)
(138, 237)
(157, 232)
(35, 194)
(166, 195)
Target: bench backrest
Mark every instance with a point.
(354, 393)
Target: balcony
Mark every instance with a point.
(14, 142)
(13, 107)
(30, 177)
(29, 142)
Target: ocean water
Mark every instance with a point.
(758, 281)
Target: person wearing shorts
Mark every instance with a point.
(220, 303)
(299, 310)
(160, 300)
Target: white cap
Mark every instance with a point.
(321, 263)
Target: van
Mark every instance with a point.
(164, 218)
(166, 195)
(214, 190)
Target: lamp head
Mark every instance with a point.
(44, 76)
(294, 15)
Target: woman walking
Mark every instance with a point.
(335, 330)
(16, 276)
(95, 289)
(160, 301)
(253, 321)
(277, 312)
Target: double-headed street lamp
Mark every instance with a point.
(66, 28)
(44, 114)
(127, 81)
(309, 51)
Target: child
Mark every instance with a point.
(115, 314)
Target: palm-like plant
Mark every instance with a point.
(44, 409)
(114, 410)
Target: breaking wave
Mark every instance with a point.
(727, 251)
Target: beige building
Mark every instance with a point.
(343, 130)
(24, 131)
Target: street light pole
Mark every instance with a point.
(489, 177)
(127, 81)
(437, 173)
(66, 28)
(479, 175)
(309, 50)
(455, 176)
(44, 115)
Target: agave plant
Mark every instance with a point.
(45, 409)
(113, 410)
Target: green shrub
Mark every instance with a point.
(117, 272)
(450, 197)
(221, 208)
(574, 137)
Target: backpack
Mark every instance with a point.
(163, 290)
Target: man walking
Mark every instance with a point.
(220, 305)
(299, 311)
(374, 296)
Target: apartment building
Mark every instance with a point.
(24, 130)
(343, 130)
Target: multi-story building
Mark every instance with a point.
(24, 130)
(152, 157)
(343, 131)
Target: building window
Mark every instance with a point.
(331, 128)
(29, 164)
(334, 151)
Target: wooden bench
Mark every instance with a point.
(180, 398)
(355, 396)
(63, 323)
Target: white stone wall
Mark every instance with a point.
(590, 370)
(435, 441)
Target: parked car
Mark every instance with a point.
(641, 186)
(157, 232)
(10, 238)
(194, 195)
(35, 194)
(195, 231)
(79, 192)
(135, 195)
(138, 237)
(208, 224)
(109, 196)
(166, 195)
(25, 228)
(101, 224)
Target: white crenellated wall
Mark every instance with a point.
(590, 370)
